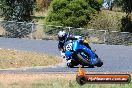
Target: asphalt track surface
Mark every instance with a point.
(116, 58)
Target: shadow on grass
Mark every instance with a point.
(38, 17)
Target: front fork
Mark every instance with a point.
(94, 60)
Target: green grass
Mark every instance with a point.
(49, 81)
(63, 83)
(59, 83)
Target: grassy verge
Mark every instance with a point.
(49, 81)
(62, 83)
(16, 59)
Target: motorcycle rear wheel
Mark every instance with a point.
(70, 65)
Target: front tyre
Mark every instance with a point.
(86, 62)
(100, 64)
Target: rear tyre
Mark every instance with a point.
(82, 66)
(70, 65)
(91, 66)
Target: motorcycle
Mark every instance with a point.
(78, 54)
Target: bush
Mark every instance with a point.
(75, 13)
(126, 24)
(107, 20)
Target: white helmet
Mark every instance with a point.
(62, 34)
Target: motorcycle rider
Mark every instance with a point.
(82, 41)
(63, 37)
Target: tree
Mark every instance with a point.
(75, 13)
(126, 24)
(127, 6)
(127, 21)
(17, 11)
(117, 3)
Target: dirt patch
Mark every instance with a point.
(16, 59)
(37, 76)
(11, 78)
(48, 80)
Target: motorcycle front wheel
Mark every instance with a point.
(84, 60)
(100, 63)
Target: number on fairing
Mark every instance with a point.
(69, 47)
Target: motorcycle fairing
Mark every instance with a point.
(78, 46)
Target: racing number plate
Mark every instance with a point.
(69, 47)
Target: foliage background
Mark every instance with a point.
(75, 13)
